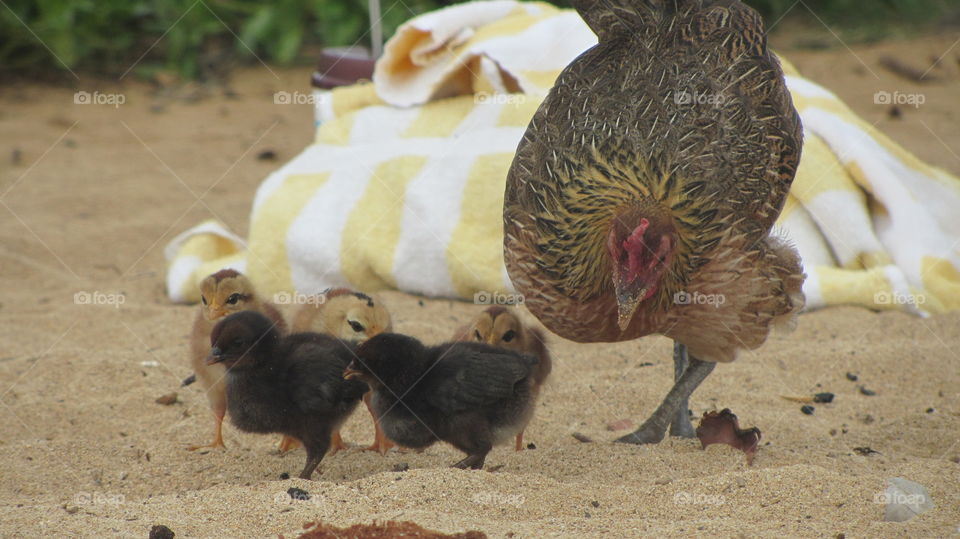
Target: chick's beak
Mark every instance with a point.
(351, 372)
(215, 356)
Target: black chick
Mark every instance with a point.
(471, 395)
(293, 386)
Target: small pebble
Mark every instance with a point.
(865, 451)
(167, 399)
(298, 493)
(531, 445)
(582, 438)
(930, 410)
(865, 391)
(807, 409)
(823, 397)
(16, 157)
(71, 508)
(160, 531)
(852, 377)
(663, 481)
(267, 155)
(401, 467)
(284, 476)
(595, 503)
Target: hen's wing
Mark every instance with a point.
(470, 375)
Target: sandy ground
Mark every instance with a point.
(90, 194)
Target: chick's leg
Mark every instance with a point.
(681, 425)
(316, 448)
(336, 443)
(381, 444)
(655, 427)
(288, 443)
(218, 414)
(519, 441)
(474, 462)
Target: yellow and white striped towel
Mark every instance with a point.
(392, 195)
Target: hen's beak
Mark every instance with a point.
(627, 305)
(215, 356)
(351, 372)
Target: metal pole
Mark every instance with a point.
(376, 29)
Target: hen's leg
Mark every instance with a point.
(655, 427)
(681, 425)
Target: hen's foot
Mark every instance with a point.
(654, 429)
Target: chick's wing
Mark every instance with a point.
(468, 376)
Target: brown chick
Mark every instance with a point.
(499, 326)
(642, 195)
(222, 293)
(351, 316)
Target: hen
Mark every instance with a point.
(643, 193)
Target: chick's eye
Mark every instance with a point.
(233, 299)
(509, 335)
(476, 333)
(356, 326)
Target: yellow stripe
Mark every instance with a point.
(440, 118)
(475, 251)
(268, 265)
(942, 283)
(370, 236)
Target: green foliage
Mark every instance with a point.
(190, 37)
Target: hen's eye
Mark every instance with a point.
(476, 333)
(203, 299)
(356, 326)
(233, 299)
(509, 335)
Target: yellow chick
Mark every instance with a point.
(499, 326)
(348, 315)
(222, 293)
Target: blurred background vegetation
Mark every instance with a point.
(199, 39)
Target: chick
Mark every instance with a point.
(470, 395)
(348, 315)
(222, 293)
(292, 385)
(499, 326)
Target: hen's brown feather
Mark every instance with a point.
(680, 112)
